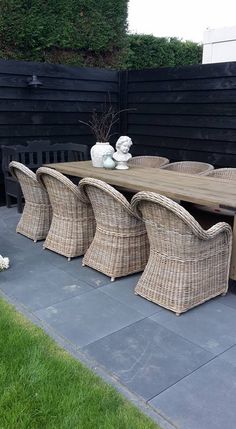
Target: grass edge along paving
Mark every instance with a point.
(43, 387)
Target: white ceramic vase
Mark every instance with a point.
(97, 152)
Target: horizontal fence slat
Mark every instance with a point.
(46, 130)
(225, 83)
(184, 132)
(20, 140)
(182, 120)
(197, 71)
(180, 143)
(50, 95)
(221, 96)
(216, 159)
(28, 68)
(223, 109)
(15, 81)
(43, 118)
(50, 106)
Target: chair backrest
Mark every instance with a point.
(170, 228)
(189, 167)
(111, 209)
(223, 173)
(65, 197)
(32, 190)
(149, 161)
(39, 152)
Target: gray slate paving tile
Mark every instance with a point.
(93, 277)
(123, 290)
(229, 300)
(230, 356)
(40, 288)
(23, 264)
(86, 319)
(147, 357)
(203, 400)
(210, 325)
(74, 267)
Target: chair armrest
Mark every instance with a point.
(183, 214)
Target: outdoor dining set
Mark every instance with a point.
(183, 264)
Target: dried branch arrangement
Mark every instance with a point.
(101, 124)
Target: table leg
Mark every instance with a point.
(233, 257)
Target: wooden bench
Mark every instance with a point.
(34, 155)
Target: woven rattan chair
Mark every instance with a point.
(37, 213)
(120, 246)
(73, 224)
(189, 167)
(187, 265)
(148, 161)
(223, 173)
(228, 174)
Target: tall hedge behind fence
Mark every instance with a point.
(81, 32)
(185, 113)
(146, 51)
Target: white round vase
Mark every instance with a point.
(97, 152)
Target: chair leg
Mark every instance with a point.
(112, 279)
(19, 204)
(8, 201)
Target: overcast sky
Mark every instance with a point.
(185, 19)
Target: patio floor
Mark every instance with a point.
(179, 370)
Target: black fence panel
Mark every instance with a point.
(184, 113)
(53, 110)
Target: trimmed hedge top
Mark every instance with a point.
(31, 27)
(146, 51)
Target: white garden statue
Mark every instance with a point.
(122, 155)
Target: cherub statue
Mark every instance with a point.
(122, 155)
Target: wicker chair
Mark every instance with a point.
(37, 213)
(228, 174)
(189, 167)
(187, 265)
(149, 161)
(73, 224)
(120, 246)
(223, 173)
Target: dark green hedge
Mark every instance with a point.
(146, 51)
(84, 33)
(71, 30)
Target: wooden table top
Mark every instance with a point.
(186, 187)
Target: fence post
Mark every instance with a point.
(123, 101)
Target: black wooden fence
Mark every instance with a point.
(51, 112)
(185, 113)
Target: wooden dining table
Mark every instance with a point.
(208, 191)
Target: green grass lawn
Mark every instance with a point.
(43, 387)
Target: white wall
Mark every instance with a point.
(219, 45)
